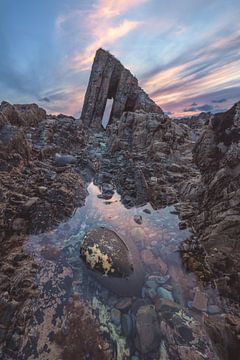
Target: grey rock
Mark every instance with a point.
(126, 325)
(213, 309)
(116, 316)
(63, 160)
(138, 219)
(148, 330)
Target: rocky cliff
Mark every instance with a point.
(216, 197)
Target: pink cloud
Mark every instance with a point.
(102, 25)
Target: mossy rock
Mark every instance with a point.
(104, 251)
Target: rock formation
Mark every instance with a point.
(217, 196)
(152, 306)
(110, 80)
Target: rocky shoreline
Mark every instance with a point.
(46, 164)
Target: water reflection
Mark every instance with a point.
(154, 244)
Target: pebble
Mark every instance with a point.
(124, 304)
(200, 300)
(138, 219)
(151, 293)
(182, 225)
(126, 325)
(213, 309)
(116, 316)
(165, 293)
(160, 280)
(62, 160)
(147, 211)
(151, 283)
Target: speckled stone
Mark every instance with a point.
(104, 251)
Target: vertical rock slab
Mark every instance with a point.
(109, 79)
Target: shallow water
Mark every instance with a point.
(154, 246)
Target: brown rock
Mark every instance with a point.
(200, 300)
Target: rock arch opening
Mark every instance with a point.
(111, 81)
(107, 113)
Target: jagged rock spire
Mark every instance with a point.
(109, 79)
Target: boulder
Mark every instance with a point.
(104, 251)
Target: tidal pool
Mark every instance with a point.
(158, 272)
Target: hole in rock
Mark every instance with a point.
(107, 113)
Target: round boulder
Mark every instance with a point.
(104, 251)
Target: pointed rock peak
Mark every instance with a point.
(109, 79)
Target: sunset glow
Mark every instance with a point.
(186, 57)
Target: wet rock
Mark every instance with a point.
(19, 224)
(104, 251)
(162, 304)
(213, 309)
(182, 225)
(116, 316)
(135, 357)
(126, 325)
(151, 293)
(200, 300)
(148, 331)
(138, 303)
(160, 280)
(152, 261)
(138, 219)
(151, 283)
(124, 304)
(147, 211)
(63, 160)
(166, 294)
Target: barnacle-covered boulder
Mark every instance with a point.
(104, 251)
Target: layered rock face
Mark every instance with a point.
(217, 197)
(153, 155)
(37, 172)
(109, 79)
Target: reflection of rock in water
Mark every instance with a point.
(112, 262)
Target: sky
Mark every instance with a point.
(185, 53)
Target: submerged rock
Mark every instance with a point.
(148, 331)
(104, 251)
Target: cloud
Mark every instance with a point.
(207, 68)
(45, 99)
(219, 101)
(104, 24)
(205, 108)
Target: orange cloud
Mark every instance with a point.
(104, 36)
(181, 82)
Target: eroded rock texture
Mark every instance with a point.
(216, 197)
(109, 79)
